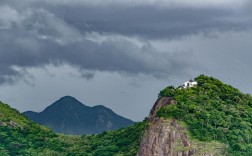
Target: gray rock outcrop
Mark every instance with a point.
(166, 137)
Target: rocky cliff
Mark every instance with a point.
(168, 137)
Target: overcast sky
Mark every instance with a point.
(119, 53)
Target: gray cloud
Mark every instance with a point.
(248, 7)
(114, 56)
(40, 39)
(35, 34)
(158, 3)
(151, 21)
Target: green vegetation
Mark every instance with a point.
(213, 111)
(20, 136)
(123, 142)
(215, 114)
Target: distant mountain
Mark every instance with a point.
(69, 116)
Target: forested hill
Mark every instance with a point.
(213, 111)
(20, 136)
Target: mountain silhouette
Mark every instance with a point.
(70, 116)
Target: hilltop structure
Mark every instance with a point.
(189, 84)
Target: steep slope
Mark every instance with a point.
(169, 137)
(19, 136)
(212, 111)
(69, 116)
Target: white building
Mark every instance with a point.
(189, 84)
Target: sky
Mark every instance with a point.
(119, 53)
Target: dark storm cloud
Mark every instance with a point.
(35, 34)
(39, 38)
(151, 22)
(119, 56)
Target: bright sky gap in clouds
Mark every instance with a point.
(119, 53)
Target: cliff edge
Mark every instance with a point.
(169, 137)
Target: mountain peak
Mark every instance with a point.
(70, 116)
(66, 102)
(68, 98)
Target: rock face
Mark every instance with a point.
(165, 137)
(13, 124)
(164, 101)
(2, 123)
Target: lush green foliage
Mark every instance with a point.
(25, 137)
(123, 142)
(213, 111)
(28, 138)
